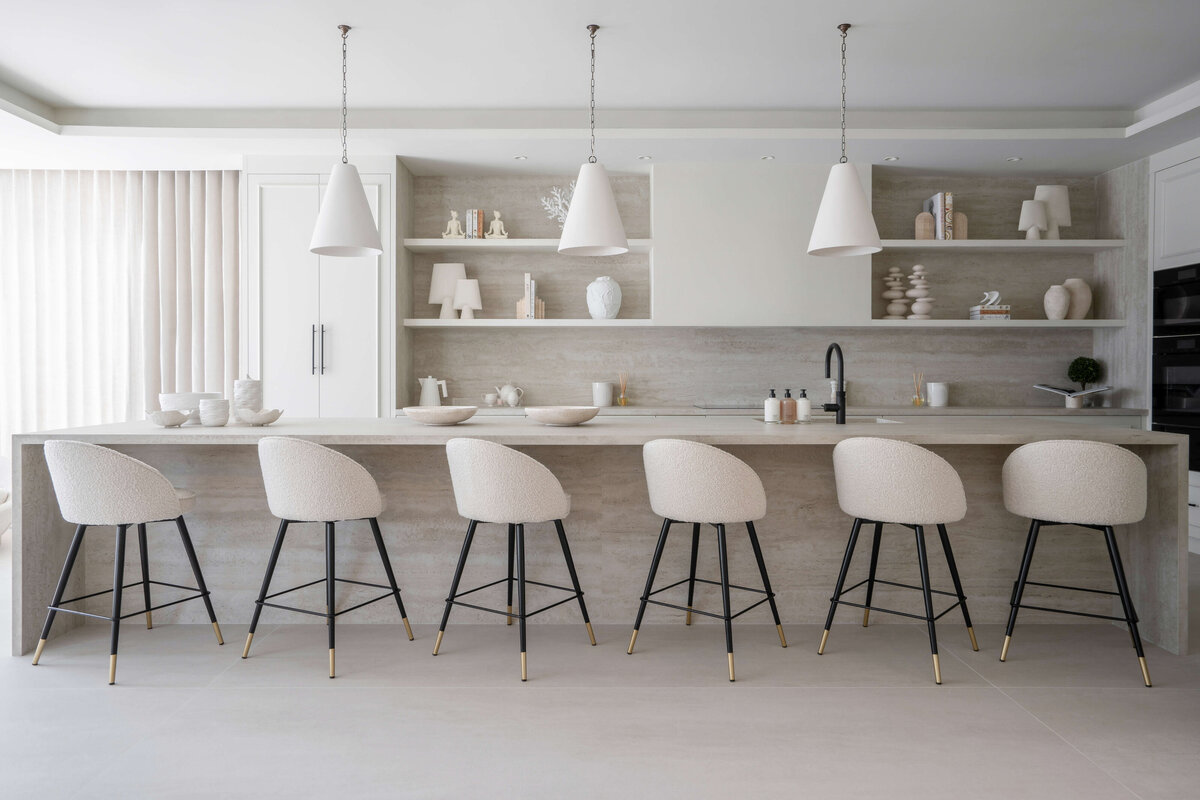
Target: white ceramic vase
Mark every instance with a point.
(214, 413)
(1081, 298)
(604, 298)
(1056, 302)
(248, 394)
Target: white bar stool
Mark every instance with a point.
(97, 486)
(701, 484)
(1087, 484)
(884, 481)
(307, 482)
(494, 483)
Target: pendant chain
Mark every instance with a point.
(592, 119)
(345, 32)
(843, 159)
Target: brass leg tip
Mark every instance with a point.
(438, 642)
(246, 649)
(524, 667)
(1004, 649)
(1145, 672)
(731, 667)
(220, 638)
(331, 670)
(782, 638)
(112, 669)
(37, 654)
(688, 619)
(407, 628)
(937, 670)
(591, 635)
(509, 621)
(866, 616)
(974, 643)
(149, 621)
(824, 638)
(632, 642)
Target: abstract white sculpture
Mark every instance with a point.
(454, 228)
(897, 306)
(922, 302)
(604, 298)
(496, 229)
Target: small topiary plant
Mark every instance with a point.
(1083, 371)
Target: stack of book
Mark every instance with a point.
(473, 225)
(531, 306)
(991, 312)
(941, 206)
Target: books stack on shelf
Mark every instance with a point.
(941, 206)
(530, 306)
(996, 312)
(473, 226)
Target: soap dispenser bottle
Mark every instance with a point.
(771, 408)
(803, 407)
(788, 408)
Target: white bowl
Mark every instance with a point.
(259, 418)
(440, 415)
(168, 419)
(561, 415)
(186, 401)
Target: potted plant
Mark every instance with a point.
(1083, 370)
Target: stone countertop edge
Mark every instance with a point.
(854, 411)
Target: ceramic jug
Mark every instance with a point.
(510, 395)
(429, 391)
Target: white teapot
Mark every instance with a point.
(429, 391)
(510, 395)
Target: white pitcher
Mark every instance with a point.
(429, 391)
(510, 395)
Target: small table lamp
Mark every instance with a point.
(1058, 208)
(441, 288)
(1033, 218)
(466, 298)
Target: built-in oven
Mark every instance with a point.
(1175, 401)
(1177, 301)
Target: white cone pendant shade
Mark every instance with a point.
(844, 225)
(593, 226)
(345, 226)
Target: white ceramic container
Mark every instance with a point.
(1081, 298)
(186, 401)
(214, 413)
(602, 393)
(604, 298)
(248, 394)
(939, 394)
(440, 415)
(1056, 302)
(561, 415)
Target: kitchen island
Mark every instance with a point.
(612, 528)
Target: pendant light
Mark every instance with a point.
(593, 226)
(844, 225)
(345, 226)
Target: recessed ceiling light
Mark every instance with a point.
(768, 158)
(645, 158)
(891, 158)
(520, 158)
(1013, 158)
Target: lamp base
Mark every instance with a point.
(1033, 233)
(467, 313)
(447, 309)
(1052, 232)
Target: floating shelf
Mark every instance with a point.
(502, 245)
(1005, 245)
(528, 323)
(999, 324)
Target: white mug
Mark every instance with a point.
(492, 399)
(938, 394)
(602, 393)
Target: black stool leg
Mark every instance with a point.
(841, 581)
(59, 590)
(923, 560)
(1019, 587)
(566, 548)
(762, 570)
(723, 557)
(512, 544)
(521, 595)
(958, 590)
(1126, 601)
(391, 576)
(266, 585)
(118, 582)
(692, 571)
(141, 528)
(195, 562)
(871, 572)
(658, 551)
(458, 571)
(330, 581)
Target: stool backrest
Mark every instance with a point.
(1092, 483)
(693, 482)
(99, 486)
(308, 482)
(887, 480)
(494, 483)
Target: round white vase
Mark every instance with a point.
(1056, 302)
(604, 298)
(1081, 298)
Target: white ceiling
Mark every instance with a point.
(470, 84)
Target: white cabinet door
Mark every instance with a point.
(730, 248)
(283, 210)
(1177, 215)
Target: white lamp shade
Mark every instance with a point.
(466, 295)
(345, 226)
(844, 225)
(1058, 204)
(1033, 215)
(593, 226)
(445, 280)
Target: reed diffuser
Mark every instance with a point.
(623, 382)
(918, 380)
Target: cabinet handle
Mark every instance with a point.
(322, 349)
(313, 355)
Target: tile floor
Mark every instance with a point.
(1066, 717)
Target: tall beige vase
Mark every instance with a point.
(1081, 298)
(1056, 302)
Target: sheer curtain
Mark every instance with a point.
(114, 286)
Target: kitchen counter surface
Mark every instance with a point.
(862, 411)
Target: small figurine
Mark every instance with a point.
(496, 229)
(454, 228)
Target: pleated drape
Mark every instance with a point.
(114, 286)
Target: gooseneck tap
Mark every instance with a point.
(840, 394)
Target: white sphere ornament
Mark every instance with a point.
(1056, 302)
(604, 298)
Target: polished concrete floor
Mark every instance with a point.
(1065, 717)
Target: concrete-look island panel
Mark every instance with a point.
(611, 526)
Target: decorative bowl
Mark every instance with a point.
(259, 418)
(440, 415)
(186, 401)
(168, 419)
(561, 415)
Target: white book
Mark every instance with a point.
(528, 296)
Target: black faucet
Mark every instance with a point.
(840, 394)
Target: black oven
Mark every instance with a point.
(1177, 301)
(1175, 402)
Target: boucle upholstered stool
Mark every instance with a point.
(700, 484)
(306, 482)
(496, 484)
(883, 481)
(98, 487)
(1086, 484)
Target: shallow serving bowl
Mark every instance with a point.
(561, 415)
(440, 415)
(168, 419)
(259, 418)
